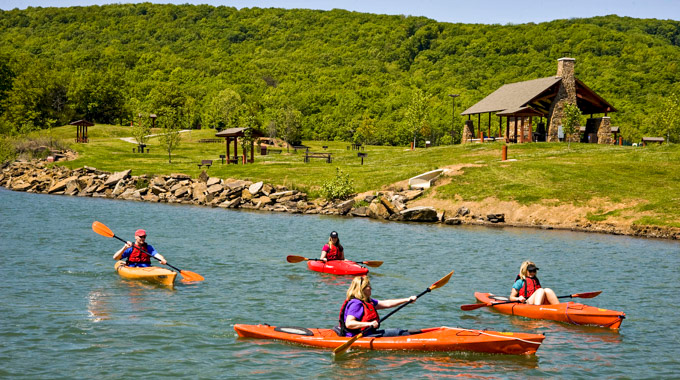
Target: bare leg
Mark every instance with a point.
(537, 298)
(550, 295)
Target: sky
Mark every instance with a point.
(463, 11)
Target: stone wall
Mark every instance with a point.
(604, 131)
(566, 94)
(468, 127)
(37, 177)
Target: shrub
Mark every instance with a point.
(340, 187)
(7, 150)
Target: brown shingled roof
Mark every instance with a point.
(512, 96)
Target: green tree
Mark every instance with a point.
(289, 125)
(416, 114)
(141, 128)
(669, 118)
(172, 121)
(571, 119)
(222, 110)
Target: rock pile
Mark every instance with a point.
(36, 177)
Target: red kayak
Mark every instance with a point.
(430, 339)
(337, 267)
(569, 312)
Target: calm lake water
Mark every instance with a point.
(65, 313)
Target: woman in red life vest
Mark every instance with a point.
(333, 250)
(527, 288)
(359, 312)
(134, 256)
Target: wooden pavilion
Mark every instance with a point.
(233, 134)
(81, 130)
(521, 102)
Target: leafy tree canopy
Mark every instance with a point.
(350, 75)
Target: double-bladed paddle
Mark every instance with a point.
(475, 306)
(103, 230)
(297, 259)
(342, 348)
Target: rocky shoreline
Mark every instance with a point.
(37, 177)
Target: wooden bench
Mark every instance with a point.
(211, 140)
(300, 147)
(326, 156)
(207, 163)
(274, 150)
(646, 140)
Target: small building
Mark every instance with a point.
(235, 133)
(81, 130)
(544, 99)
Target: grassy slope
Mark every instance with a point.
(646, 178)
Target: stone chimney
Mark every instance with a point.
(566, 94)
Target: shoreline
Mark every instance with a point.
(393, 204)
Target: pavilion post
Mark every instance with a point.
(228, 140)
(236, 148)
(489, 125)
(521, 128)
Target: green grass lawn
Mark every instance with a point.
(647, 177)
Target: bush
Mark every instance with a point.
(7, 150)
(340, 187)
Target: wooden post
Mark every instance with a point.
(228, 140)
(252, 151)
(504, 154)
(531, 137)
(489, 124)
(521, 128)
(500, 126)
(481, 135)
(236, 148)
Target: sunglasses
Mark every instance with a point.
(142, 236)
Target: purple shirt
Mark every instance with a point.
(356, 309)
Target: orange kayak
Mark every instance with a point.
(154, 275)
(430, 339)
(569, 312)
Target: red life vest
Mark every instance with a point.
(530, 286)
(334, 253)
(138, 257)
(370, 315)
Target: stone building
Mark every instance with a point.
(543, 99)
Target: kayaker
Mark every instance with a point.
(359, 311)
(135, 257)
(527, 288)
(333, 249)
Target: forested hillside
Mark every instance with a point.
(333, 75)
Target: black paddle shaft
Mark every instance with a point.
(145, 251)
(402, 306)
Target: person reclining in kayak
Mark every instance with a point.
(135, 257)
(527, 288)
(359, 311)
(333, 250)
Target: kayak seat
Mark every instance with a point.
(414, 332)
(294, 330)
(336, 329)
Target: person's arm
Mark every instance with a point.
(154, 253)
(514, 295)
(386, 304)
(342, 254)
(324, 251)
(352, 323)
(119, 254)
